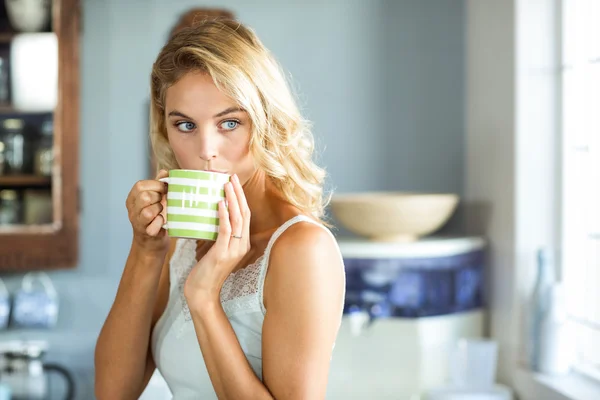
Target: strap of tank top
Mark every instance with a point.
(265, 262)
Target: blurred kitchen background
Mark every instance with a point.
(468, 128)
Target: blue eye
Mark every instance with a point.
(185, 126)
(229, 125)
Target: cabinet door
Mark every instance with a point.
(39, 135)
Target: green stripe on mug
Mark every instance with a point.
(196, 190)
(192, 202)
(201, 175)
(193, 234)
(192, 218)
(200, 205)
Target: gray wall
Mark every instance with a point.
(381, 80)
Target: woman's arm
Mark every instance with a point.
(123, 364)
(304, 299)
(303, 294)
(123, 361)
(229, 370)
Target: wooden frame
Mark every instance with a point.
(56, 245)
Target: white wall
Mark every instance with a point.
(381, 80)
(538, 147)
(511, 164)
(490, 158)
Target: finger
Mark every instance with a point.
(148, 214)
(144, 185)
(155, 227)
(150, 186)
(224, 237)
(243, 206)
(235, 216)
(145, 199)
(163, 173)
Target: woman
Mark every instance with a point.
(256, 313)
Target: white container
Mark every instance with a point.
(556, 344)
(34, 72)
(424, 248)
(496, 392)
(397, 358)
(473, 363)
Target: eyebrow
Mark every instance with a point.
(176, 113)
(230, 110)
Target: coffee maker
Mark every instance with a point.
(23, 370)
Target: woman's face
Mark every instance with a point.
(206, 129)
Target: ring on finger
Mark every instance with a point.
(236, 236)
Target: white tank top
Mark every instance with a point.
(174, 344)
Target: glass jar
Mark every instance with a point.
(44, 157)
(4, 84)
(37, 207)
(10, 208)
(2, 158)
(15, 145)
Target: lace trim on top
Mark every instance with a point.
(238, 294)
(242, 291)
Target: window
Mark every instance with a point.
(581, 174)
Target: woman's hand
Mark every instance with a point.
(232, 244)
(145, 204)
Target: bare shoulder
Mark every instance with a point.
(304, 239)
(306, 258)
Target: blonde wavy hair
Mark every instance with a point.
(281, 141)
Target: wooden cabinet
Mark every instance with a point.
(39, 192)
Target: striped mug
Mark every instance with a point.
(192, 203)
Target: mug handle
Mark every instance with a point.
(66, 375)
(166, 224)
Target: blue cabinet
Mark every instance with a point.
(426, 278)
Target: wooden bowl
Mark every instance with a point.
(393, 216)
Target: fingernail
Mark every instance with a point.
(235, 177)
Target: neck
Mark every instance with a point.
(260, 196)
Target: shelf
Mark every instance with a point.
(6, 109)
(24, 180)
(6, 37)
(34, 229)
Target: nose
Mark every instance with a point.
(207, 149)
